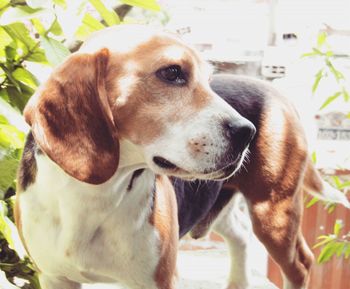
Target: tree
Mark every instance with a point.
(336, 243)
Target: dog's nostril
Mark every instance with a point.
(241, 132)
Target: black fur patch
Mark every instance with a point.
(195, 199)
(27, 168)
(135, 175)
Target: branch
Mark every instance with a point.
(123, 10)
(332, 31)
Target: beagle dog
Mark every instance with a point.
(131, 148)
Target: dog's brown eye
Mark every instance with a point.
(172, 74)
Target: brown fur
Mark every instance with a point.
(273, 182)
(164, 219)
(155, 95)
(72, 122)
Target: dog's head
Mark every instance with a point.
(146, 87)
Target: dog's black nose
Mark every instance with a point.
(240, 132)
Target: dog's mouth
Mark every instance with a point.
(221, 173)
(164, 163)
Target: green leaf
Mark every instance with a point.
(313, 201)
(108, 15)
(5, 227)
(344, 185)
(10, 52)
(18, 14)
(38, 26)
(340, 249)
(327, 252)
(336, 181)
(10, 137)
(55, 51)
(317, 51)
(25, 77)
(326, 239)
(4, 95)
(321, 39)
(89, 25)
(12, 81)
(5, 39)
(146, 4)
(37, 56)
(55, 28)
(330, 99)
(3, 120)
(310, 54)
(346, 95)
(338, 225)
(20, 98)
(347, 251)
(8, 169)
(4, 3)
(336, 73)
(38, 3)
(19, 32)
(330, 208)
(314, 157)
(318, 78)
(329, 53)
(61, 3)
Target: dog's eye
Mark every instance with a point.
(172, 74)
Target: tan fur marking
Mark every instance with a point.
(134, 82)
(164, 218)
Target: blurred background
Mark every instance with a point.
(301, 46)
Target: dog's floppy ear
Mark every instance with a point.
(72, 121)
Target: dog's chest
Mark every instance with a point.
(194, 201)
(90, 233)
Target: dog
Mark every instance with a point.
(133, 144)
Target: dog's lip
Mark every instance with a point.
(164, 163)
(218, 174)
(223, 173)
(226, 171)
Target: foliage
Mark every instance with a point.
(337, 243)
(324, 51)
(334, 244)
(37, 33)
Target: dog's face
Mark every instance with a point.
(152, 90)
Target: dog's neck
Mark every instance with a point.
(131, 160)
(131, 156)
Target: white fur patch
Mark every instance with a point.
(90, 233)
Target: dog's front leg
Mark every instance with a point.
(164, 219)
(50, 282)
(235, 227)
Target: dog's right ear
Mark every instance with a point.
(71, 119)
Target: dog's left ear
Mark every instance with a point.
(72, 121)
